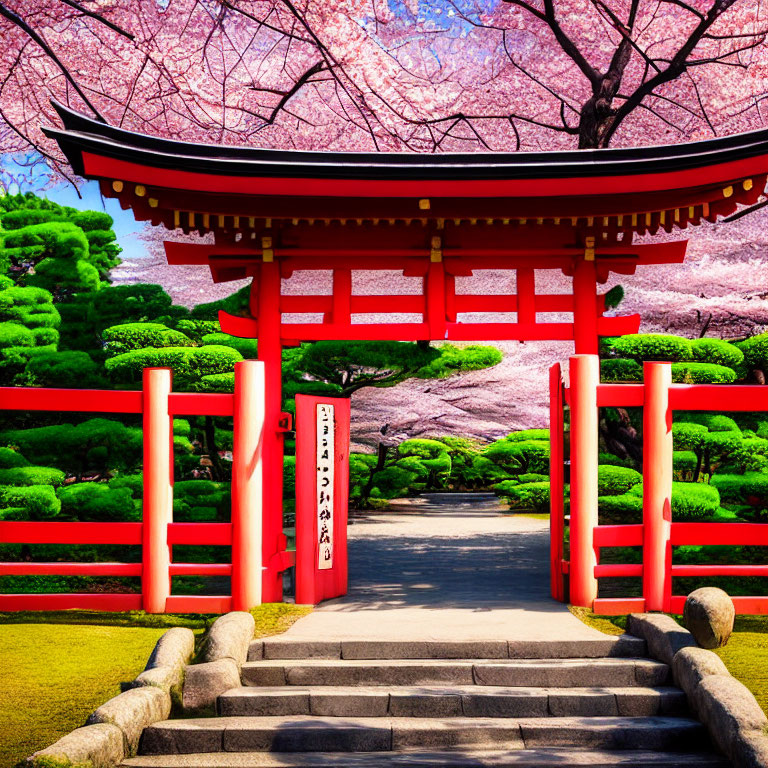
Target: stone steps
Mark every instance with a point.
(544, 673)
(366, 734)
(451, 701)
(526, 758)
(623, 646)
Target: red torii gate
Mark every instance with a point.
(437, 217)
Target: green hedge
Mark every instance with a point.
(684, 461)
(613, 481)
(749, 488)
(31, 476)
(10, 458)
(97, 501)
(687, 436)
(716, 351)
(623, 504)
(134, 483)
(702, 373)
(621, 369)
(527, 434)
(525, 495)
(136, 336)
(652, 346)
(690, 501)
(32, 502)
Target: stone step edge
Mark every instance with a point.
(620, 646)
(559, 756)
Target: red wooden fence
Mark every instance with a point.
(658, 534)
(157, 533)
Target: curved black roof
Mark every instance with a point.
(81, 133)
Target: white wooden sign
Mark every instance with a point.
(325, 458)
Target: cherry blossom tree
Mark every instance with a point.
(386, 75)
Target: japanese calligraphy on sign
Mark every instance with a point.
(325, 459)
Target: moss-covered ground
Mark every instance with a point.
(745, 655)
(57, 667)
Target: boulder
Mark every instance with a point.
(752, 750)
(730, 712)
(663, 635)
(203, 683)
(174, 649)
(132, 711)
(229, 638)
(99, 746)
(691, 665)
(708, 614)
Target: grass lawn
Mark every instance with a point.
(59, 666)
(745, 655)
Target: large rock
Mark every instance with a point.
(203, 683)
(708, 614)
(229, 638)
(97, 746)
(132, 711)
(752, 750)
(692, 665)
(663, 635)
(730, 712)
(165, 668)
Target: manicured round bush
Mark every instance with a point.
(31, 476)
(525, 495)
(133, 336)
(10, 458)
(749, 488)
(684, 461)
(625, 504)
(76, 370)
(32, 502)
(702, 373)
(652, 346)
(15, 335)
(720, 443)
(527, 434)
(716, 351)
(612, 481)
(612, 460)
(691, 501)
(134, 483)
(97, 501)
(755, 350)
(519, 457)
(620, 369)
(248, 348)
(687, 436)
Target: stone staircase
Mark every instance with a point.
(359, 704)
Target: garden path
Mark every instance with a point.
(444, 567)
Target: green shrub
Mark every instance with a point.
(97, 501)
(519, 457)
(716, 351)
(702, 373)
(714, 422)
(532, 477)
(217, 382)
(453, 359)
(15, 335)
(138, 336)
(612, 481)
(652, 346)
(31, 476)
(196, 329)
(755, 350)
(620, 369)
(690, 501)
(527, 434)
(393, 482)
(749, 488)
(10, 458)
(687, 436)
(612, 460)
(32, 502)
(525, 495)
(134, 483)
(248, 348)
(625, 504)
(684, 461)
(69, 369)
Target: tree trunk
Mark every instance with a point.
(210, 448)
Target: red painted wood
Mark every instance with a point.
(709, 176)
(200, 404)
(585, 328)
(725, 534)
(720, 397)
(354, 332)
(618, 606)
(556, 480)
(201, 569)
(618, 326)
(85, 400)
(719, 570)
(70, 569)
(619, 569)
(342, 296)
(312, 584)
(510, 331)
(208, 534)
(744, 605)
(198, 604)
(619, 536)
(526, 295)
(114, 601)
(434, 298)
(28, 532)
(299, 304)
(625, 395)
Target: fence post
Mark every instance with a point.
(158, 489)
(584, 376)
(556, 505)
(247, 485)
(657, 483)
